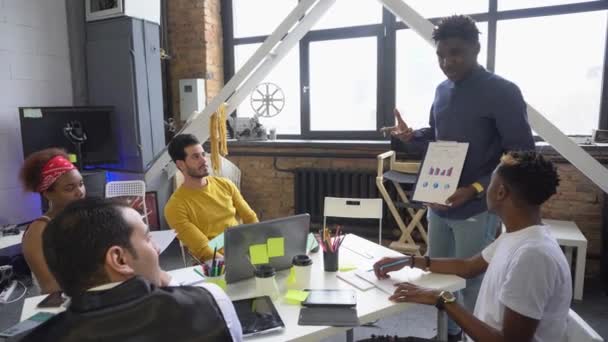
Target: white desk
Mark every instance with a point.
(570, 236)
(371, 304)
(10, 240)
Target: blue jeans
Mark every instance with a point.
(450, 238)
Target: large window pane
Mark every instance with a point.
(259, 17)
(287, 77)
(443, 8)
(346, 13)
(557, 62)
(418, 74)
(343, 85)
(504, 5)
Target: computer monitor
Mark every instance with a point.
(294, 230)
(43, 127)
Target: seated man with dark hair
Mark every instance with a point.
(526, 291)
(109, 267)
(203, 206)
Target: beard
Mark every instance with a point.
(197, 173)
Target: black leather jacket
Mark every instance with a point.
(137, 311)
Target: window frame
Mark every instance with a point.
(385, 33)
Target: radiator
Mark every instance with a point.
(313, 185)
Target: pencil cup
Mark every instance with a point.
(330, 261)
(299, 278)
(219, 281)
(265, 282)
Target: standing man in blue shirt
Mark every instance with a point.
(476, 106)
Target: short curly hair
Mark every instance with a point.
(457, 26)
(30, 172)
(533, 178)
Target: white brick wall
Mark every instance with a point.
(34, 71)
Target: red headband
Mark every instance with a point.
(52, 170)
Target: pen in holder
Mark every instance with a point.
(215, 275)
(331, 248)
(330, 261)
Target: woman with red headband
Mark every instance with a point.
(50, 173)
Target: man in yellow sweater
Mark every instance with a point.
(203, 206)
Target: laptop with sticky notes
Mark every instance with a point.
(274, 242)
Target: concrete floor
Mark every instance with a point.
(418, 321)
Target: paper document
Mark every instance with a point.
(384, 285)
(440, 171)
(162, 238)
(217, 241)
(352, 279)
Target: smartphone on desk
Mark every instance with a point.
(53, 300)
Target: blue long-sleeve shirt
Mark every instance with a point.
(489, 113)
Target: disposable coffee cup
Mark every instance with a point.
(265, 282)
(301, 268)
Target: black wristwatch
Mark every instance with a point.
(445, 297)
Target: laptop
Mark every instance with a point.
(294, 230)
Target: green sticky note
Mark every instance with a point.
(311, 243)
(217, 241)
(295, 296)
(258, 254)
(276, 247)
(347, 267)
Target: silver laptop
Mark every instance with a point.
(294, 230)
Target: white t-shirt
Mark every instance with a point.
(529, 274)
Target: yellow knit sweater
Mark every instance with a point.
(198, 215)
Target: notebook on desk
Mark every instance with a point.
(336, 308)
(384, 285)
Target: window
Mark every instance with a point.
(342, 89)
(557, 61)
(442, 8)
(285, 76)
(504, 5)
(359, 62)
(418, 74)
(346, 13)
(259, 17)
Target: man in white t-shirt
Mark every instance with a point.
(526, 291)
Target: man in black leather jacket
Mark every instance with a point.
(102, 257)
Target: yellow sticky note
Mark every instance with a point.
(295, 296)
(258, 254)
(292, 276)
(276, 247)
(347, 267)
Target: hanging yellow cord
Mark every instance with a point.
(217, 133)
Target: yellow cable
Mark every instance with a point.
(217, 133)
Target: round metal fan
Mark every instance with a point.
(267, 100)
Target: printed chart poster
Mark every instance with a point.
(440, 171)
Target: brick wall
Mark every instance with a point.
(195, 46)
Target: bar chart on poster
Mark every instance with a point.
(440, 171)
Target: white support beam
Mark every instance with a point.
(590, 167)
(198, 124)
(279, 53)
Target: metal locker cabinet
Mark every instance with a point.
(123, 70)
